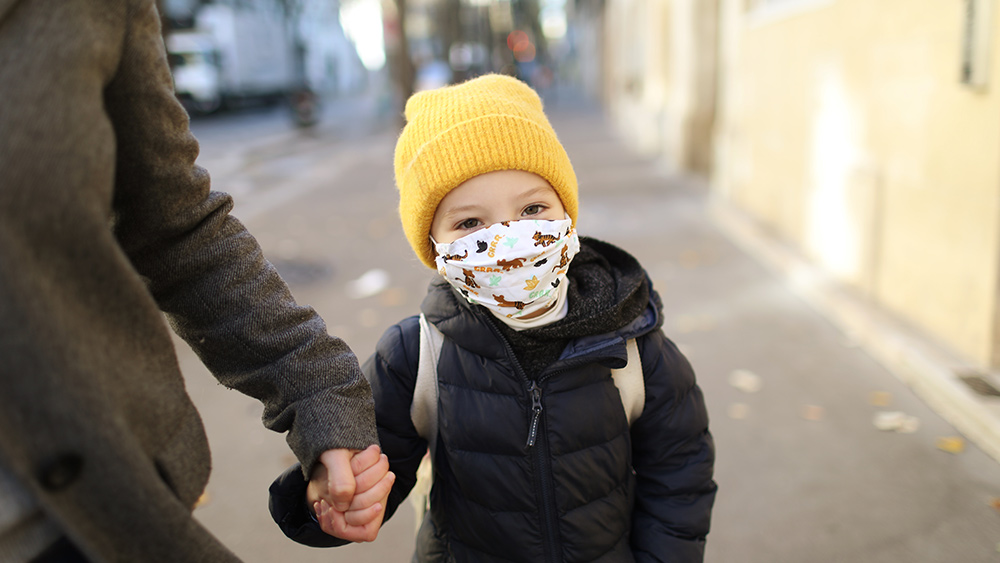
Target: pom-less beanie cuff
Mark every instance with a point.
(501, 127)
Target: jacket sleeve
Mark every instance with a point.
(673, 455)
(287, 504)
(392, 371)
(208, 274)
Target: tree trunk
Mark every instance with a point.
(401, 68)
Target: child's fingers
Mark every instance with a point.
(365, 459)
(335, 523)
(377, 493)
(371, 476)
(364, 517)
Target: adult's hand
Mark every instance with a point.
(348, 491)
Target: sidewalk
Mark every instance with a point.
(934, 373)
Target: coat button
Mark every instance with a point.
(60, 472)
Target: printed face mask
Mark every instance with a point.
(514, 268)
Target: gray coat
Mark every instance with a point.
(105, 222)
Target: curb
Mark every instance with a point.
(914, 359)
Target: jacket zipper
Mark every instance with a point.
(536, 409)
(550, 522)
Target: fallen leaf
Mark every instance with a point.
(812, 412)
(896, 421)
(880, 398)
(738, 411)
(370, 283)
(392, 297)
(204, 499)
(951, 444)
(995, 503)
(910, 425)
(746, 381)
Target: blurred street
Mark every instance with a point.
(804, 474)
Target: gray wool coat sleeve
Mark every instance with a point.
(105, 225)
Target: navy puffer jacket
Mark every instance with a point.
(588, 488)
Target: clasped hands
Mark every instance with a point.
(348, 491)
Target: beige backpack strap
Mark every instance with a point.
(423, 410)
(630, 383)
(423, 413)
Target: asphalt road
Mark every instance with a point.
(804, 474)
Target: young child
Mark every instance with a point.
(535, 459)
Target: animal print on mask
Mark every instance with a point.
(563, 260)
(544, 240)
(456, 256)
(470, 278)
(508, 264)
(504, 303)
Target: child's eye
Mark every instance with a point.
(533, 209)
(469, 224)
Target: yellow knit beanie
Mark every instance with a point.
(455, 133)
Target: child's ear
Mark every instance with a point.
(433, 245)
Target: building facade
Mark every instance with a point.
(865, 134)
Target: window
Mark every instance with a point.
(977, 39)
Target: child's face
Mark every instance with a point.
(504, 195)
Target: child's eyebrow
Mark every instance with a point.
(462, 209)
(540, 188)
(473, 208)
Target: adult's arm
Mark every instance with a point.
(207, 272)
(97, 184)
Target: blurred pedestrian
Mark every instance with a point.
(106, 225)
(537, 455)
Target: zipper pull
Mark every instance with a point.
(536, 409)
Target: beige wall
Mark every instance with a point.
(844, 128)
(662, 76)
(588, 67)
(637, 70)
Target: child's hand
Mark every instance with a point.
(348, 492)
